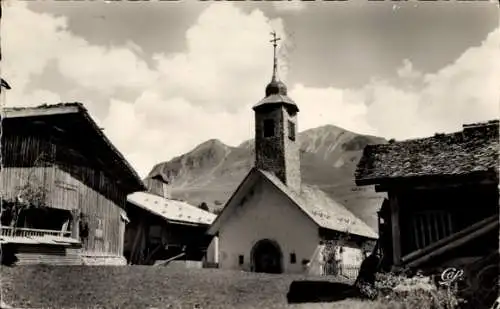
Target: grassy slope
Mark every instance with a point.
(150, 287)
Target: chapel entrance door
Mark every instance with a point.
(267, 257)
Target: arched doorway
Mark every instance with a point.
(267, 257)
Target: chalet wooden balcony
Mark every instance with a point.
(20, 235)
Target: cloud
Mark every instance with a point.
(157, 111)
(181, 100)
(224, 67)
(31, 41)
(293, 6)
(462, 92)
(415, 104)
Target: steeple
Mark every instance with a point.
(276, 144)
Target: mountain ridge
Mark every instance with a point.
(212, 170)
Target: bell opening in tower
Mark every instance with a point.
(268, 128)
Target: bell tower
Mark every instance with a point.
(276, 142)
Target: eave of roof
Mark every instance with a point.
(469, 152)
(134, 181)
(163, 208)
(276, 99)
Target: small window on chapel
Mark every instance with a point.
(268, 128)
(241, 259)
(293, 258)
(291, 130)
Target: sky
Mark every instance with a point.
(162, 77)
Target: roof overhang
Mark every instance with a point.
(71, 124)
(476, 177)
(164, 216)
(276, 100)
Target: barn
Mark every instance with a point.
(64, 188)
(442, 207)
(163, 229)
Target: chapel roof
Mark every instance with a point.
(325, 211)
(475, 149)
(316, 204)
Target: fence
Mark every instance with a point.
(343, 270)
(27, 232)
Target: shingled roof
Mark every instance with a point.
(472, 150)
(312, 201)
(323, 210)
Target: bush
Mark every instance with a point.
(414, 292)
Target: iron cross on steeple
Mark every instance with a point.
(275, 59)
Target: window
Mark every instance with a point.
(293, 258)
(291, 130)
(99, 229)
(241, 259)
(268, 128)
(431, 226)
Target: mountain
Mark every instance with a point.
(212, 171)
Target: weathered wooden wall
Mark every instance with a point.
(46, 254)
(451, 210)
(69, 186)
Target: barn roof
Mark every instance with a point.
(315, 203)
(472, 150)
(72, 123)
(171, 210)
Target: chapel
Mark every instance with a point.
(273, 222)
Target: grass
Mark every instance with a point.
(153, 287)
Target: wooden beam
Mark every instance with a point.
(445, 184)
(396, 233)
(64, 227)
(75, 227)
(133, 252)
(456, 243)
(416, 254)
(40, 111)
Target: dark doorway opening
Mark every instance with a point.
(267, 257)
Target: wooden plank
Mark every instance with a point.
(396, 232)
(416, 233)
(64, 227)
(451, 238)
(421, 230)
(136, 245)
(455, 243)
(437, 235)
(30, 112)
(427, 182)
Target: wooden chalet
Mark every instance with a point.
(64, 188)
(442, 206)
(163, 229)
